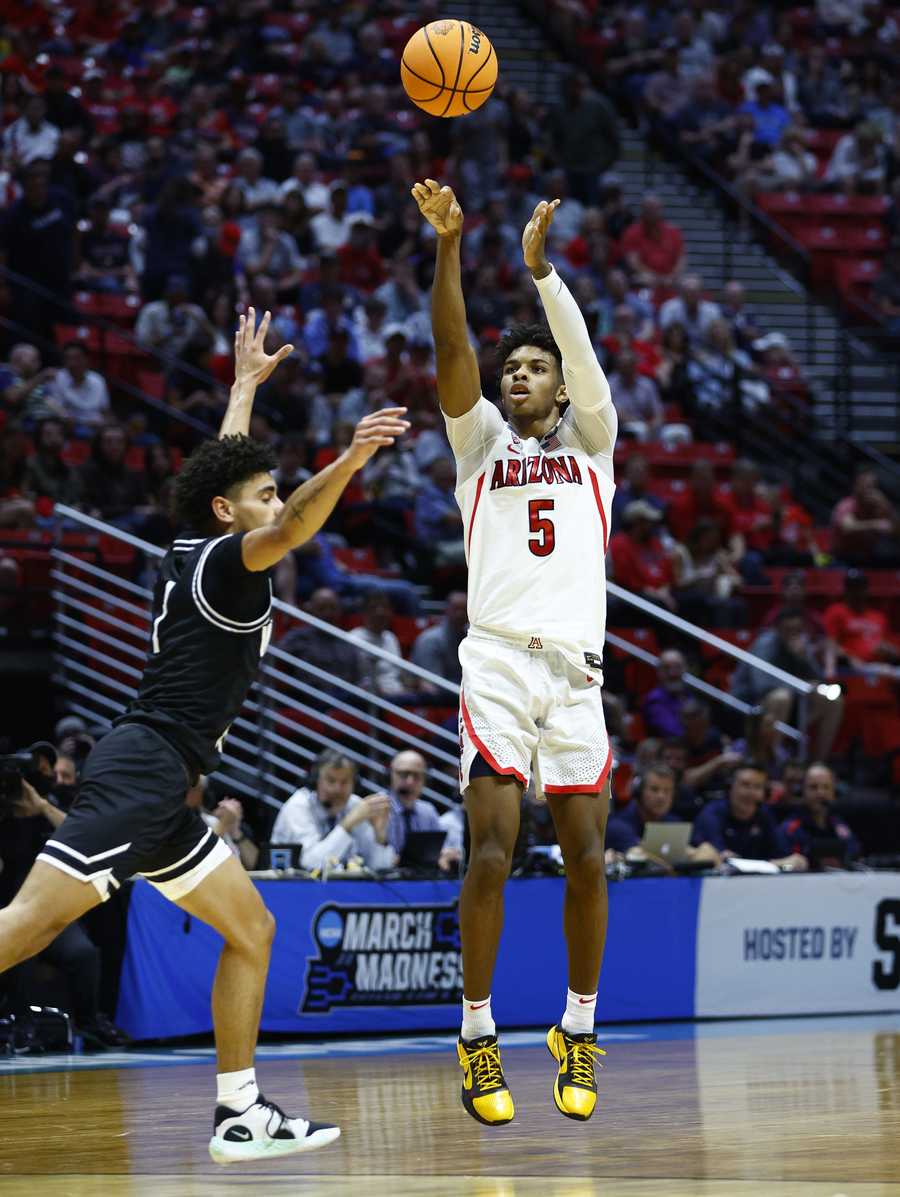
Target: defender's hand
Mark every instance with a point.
(439, 206)
(251, 362)
(535, 236)
(373, 432)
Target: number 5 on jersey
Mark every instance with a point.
(543, 542)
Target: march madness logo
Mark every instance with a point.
(383, 956)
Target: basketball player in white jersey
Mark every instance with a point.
(535, 487)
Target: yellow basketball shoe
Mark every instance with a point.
(575, 1087)
(484, 1092)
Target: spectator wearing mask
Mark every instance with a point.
(80, 394)
(437, 648)
(640, 560)
(742, 825)
(787, 647)
(811, 832)
(331, 823)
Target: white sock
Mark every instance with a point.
(579, 1016)
(477, 1019)
(237, 1090)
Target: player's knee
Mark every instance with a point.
(253, 933)
(588, 867)
(490, 862)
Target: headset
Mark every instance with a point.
(328, 758)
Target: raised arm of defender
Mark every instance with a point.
(587, 388)
(252, 366)
(458, 379)
(307, 509)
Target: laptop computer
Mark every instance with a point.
(667, 841)
(422, 849)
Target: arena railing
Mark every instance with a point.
(101, 629)
(109, 334)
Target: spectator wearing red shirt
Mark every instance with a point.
(749, 513)
(640, 560)
(361, 264)
(859, 631)
(698, 501)
(654, 249)
(866, 525)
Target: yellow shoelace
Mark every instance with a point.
(485, 1064)
(581, 1056)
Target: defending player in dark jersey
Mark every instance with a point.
(211, 624)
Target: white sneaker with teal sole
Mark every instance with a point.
(262, 1132)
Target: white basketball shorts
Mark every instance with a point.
(524, 708)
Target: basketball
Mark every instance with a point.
(448, 68)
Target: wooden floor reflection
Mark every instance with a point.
(780, 1115)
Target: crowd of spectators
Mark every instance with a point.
(772, 98)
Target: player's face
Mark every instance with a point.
(531, 384)
(257, 504)
(657, 795)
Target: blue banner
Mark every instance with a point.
(385, 956)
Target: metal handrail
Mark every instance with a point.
(106, 326)
(634, 600)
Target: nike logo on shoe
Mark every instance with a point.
(240, 1133)
(585, 1001)
(480, 1006)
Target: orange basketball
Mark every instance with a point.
(448, 68)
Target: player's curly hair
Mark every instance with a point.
(518, 335)
(215, 468)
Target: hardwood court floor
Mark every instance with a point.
(751, 1110)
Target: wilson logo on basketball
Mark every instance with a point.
(475, 43)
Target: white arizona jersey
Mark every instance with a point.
(536, 517)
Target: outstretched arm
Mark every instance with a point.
(587, 388)
(458, 379)
(252, 365)
(307, 509)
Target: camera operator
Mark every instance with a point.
(27, 818)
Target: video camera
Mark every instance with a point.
(16, 768)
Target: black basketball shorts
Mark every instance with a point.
(130, 818)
